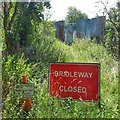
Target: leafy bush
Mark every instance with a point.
(112, 36)
(14, 67)
(112, 40)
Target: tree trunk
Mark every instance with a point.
(8, 24)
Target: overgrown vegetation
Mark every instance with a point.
(112, 35)
(35, 47)
(46, 107)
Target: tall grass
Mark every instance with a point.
(44, 106)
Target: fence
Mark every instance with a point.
(84, 28)
(91, 28)
(60, 32)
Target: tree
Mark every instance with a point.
(113, 27)
(17, 21)
(113, 14)
(73, 14)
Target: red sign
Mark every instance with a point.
(76, 81)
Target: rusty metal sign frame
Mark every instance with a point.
(98, 64)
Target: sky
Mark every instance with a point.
(59, 7)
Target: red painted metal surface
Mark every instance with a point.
(76, 81)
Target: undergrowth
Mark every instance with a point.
(44, 106)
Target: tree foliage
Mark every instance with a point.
(112, 36)
(73, 14)
(113, 29)
(17, 22)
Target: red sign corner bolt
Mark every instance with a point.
(25, 103)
